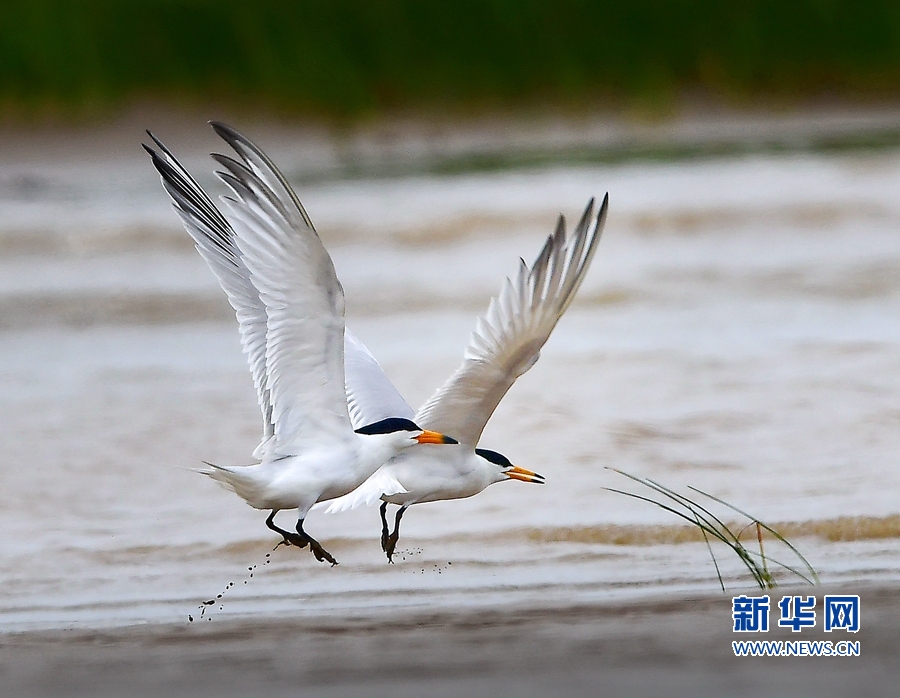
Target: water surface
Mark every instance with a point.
(739, 332)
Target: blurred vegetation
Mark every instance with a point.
(347, 58)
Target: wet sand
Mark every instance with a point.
(678, 645)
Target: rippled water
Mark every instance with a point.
(739, 332)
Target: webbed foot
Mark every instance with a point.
(384, 528)
(292, 539)
(321, 554)
(389, 544)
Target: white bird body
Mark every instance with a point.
(289, 305)
(455, 475)
(318, 474)
(425, 475)
(506, 343)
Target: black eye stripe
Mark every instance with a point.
(388, 426)
(494, 457)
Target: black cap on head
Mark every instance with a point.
(389, 426)
(494, 457)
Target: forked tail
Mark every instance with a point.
(240, 479)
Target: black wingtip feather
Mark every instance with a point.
(601, 214)
(231, 135)
(161, 146)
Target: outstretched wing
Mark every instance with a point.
(303, 299)
(507, 340)
(371, 397)
(215, 241)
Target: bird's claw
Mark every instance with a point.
(292, 539)
(321, 554)
(389, 546)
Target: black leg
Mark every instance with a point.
(289, 538)
(394, 537)
(384, 527)
(321, 554)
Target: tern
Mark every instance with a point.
(506, 343)
(281, 282)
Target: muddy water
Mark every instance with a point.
(739, 332)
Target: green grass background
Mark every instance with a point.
(346, 58)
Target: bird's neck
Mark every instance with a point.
(376, 449)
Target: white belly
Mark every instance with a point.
(434, 474)
(298, 482)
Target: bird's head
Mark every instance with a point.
(504, 470)
(400, 433)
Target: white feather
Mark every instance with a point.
(214, 239)
(507, 341)
(508, 338)
(371, 396)
(382, 483)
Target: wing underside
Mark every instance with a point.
(507, 340)
(371, 396)
(282, 284)
(214, 239)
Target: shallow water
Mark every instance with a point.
(739, 332)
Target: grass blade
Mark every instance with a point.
(712, 526)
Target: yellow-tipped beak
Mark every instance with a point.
(517, 473)
(433, 437)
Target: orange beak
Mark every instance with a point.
(517, 473)
(433, 437)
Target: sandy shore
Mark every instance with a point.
(662, 646)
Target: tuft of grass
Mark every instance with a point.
(712, 528)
